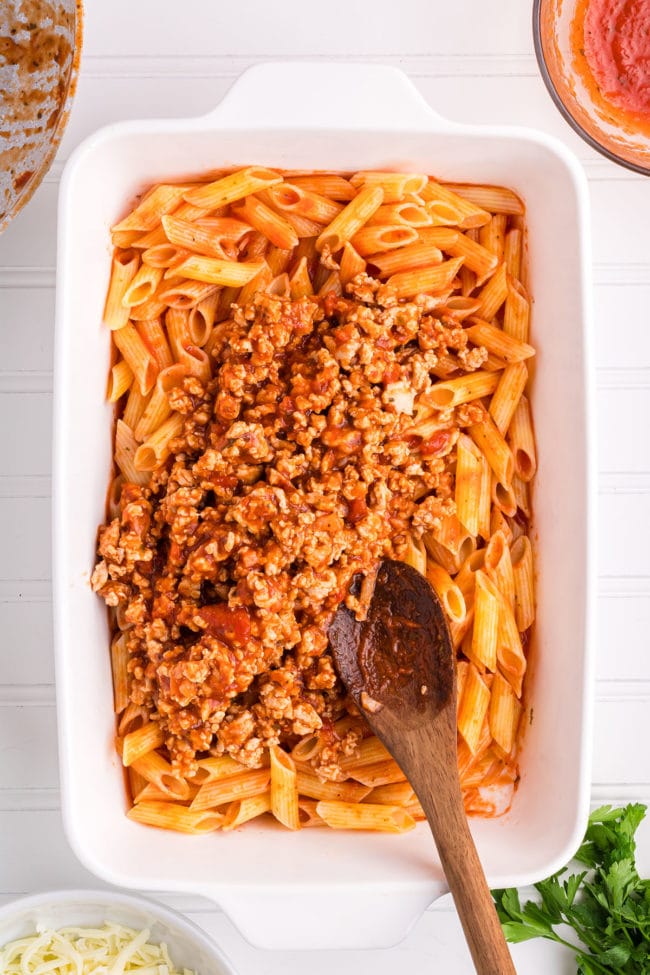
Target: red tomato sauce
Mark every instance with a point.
(617, 48)
(611, 44)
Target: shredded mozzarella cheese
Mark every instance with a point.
(110, 950)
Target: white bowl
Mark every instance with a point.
(189, 946)
(317, 888)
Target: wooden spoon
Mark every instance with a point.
(399, 667)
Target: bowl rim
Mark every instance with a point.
(108, 898)
(559, 103)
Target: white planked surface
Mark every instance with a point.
(145, 59)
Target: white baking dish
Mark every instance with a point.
(318, 888)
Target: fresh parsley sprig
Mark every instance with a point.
(607, 905)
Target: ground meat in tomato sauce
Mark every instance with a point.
(303, 461)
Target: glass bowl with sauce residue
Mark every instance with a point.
(594, 56)
(40, 47)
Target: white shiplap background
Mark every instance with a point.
(473, 61)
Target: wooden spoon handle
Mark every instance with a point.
(471, 894)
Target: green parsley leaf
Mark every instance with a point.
(607, 906)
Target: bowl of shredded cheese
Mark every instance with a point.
(85, 932)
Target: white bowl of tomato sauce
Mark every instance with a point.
(594, 56)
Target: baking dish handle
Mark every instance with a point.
(324, 917)
(335, 95)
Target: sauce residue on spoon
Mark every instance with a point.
(403, 652)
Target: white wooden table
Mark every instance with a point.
(473, 60)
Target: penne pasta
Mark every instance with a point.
(126, 447)
(485, 498)
(469, 473)
(169, 815)
(503, 497)
(394, 186)
(212, 237)
(136, 404)
(235, 186)
(522, 441)
(475, 257)
(416, 554)
(119, 381)
(504, 714)
(498, 342)
(350, 220)
(483, 650)
(211, 270)
(133, 717)
(418, 254)
(269, 223)
(141, 741)
(449, 544)
(448, 592)
(279, 260)
(521, 494)
(397, 794)
(140, 360)
(153, 335)
(493, 294)
(370, 816)
(431, 280)
(156, 448)
(307, 748)
(119, 662)
(521, 555)
(369, 752)
(473, 709)
(408, 213)
(124, 268)
(300, 283)
(260, 282)
(155, 769)
(492, 235)
(351, 264)
(160, 200)
(284, 789)
(202, 318)
(463, 389)
(326, 184)
(467, 214)
(241, 811)
(379, 773)
(211, 769)
(137, 784)
(495, 199)
(221, 791)
(155, 414)
(487, 438)
(510, 653)
(315, 788)
(375, 239)
(512, 252)
(462, 667)
(289, 197)
(164, 255)
(142, 287)
(331, 285)
(512, 382)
